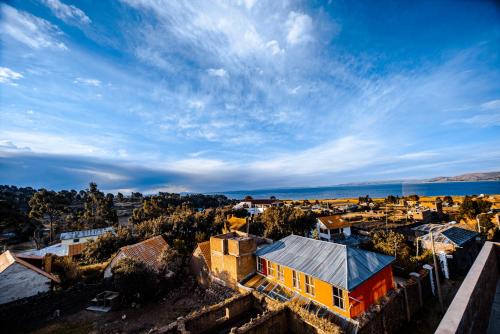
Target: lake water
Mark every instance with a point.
(374, 190)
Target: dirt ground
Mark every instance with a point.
(141, 319)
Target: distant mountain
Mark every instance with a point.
(469, 177)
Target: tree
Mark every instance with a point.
(280, 222)
(413, 197)
(448, 200)
(48, 205)
(106, 245)
(119, 197)
(394, 244)
(170, 261)
(471, 207)
(391, 199)
(364, 199)
(134, 280)
(99, 209)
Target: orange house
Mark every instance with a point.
(346, 280)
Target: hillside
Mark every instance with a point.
(469, 177)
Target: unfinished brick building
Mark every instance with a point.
(226, 258)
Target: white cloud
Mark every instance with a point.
(493, 104)
(299, 28)
(8, 76)
(274, 46)
(67, 13)
(30, 30)
(217, 72)
(87, 81)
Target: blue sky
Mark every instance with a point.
(210, 96)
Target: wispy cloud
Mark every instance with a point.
(68, 13)
(8, 76)
(30, 30)
(87, 81)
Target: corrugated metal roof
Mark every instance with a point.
(8, 258)
(342, 266)
(57, 249)
(458, 235)
(86, 233)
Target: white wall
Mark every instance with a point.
(18, 282)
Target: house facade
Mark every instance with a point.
(344, 279)
(331, 227)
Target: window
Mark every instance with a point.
(295, 279)
(260, 266)
(309, 285)
(338, 298)
(281, 277)
(270, 268)
(76, 240)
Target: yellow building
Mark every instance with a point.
(344, 279)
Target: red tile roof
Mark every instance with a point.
(8, 258)
(147, 251)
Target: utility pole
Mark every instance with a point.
(438, 284)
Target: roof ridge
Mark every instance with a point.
(143, 241)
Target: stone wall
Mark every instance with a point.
(20, 315)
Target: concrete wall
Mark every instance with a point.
(470, 309)
(18, 282)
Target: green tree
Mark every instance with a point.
(282, 221)
(134, 280)
(106, 245)
(471, 207)
(170, 261)
(48, 206)
(99, 209)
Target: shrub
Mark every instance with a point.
(134, 280)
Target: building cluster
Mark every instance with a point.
(346, 280)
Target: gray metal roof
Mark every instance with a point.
(459, 236)
(342, 266)
(85, 234)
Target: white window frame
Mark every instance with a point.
(309, 284)
(295, 279)
(279, 271)
(338, 298)
(270, 269)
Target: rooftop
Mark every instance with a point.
(86, 233)
(8, 258)
(342, 266)
(334, 221)
(147, 251)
